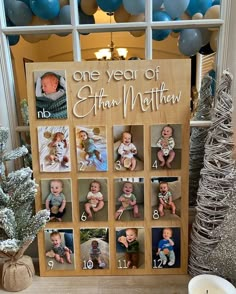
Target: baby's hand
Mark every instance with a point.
(134, 151)
(67, 250)
(163, 144)
(122, 239)
(121, 199)
(50, 254)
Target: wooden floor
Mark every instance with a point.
(163, 284)
(108, 285)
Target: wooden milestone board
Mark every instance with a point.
(77, 135)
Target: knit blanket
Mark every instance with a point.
(57, 109)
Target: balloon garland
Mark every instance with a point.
(190, 41)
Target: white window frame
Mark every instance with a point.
(7, 92)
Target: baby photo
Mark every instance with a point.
(165, 247)
(59, 249)
(166, 198)
(129, 199)
(130, 248)
(54, 149)
(128, 148)
(56, 197)
(93, 199)
(94, 248)
(91, 147)
(50, 94)
(166, 146)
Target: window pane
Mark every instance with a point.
(185, 41)
(38, 48)
(111, 44)
(21, 13)
(120, 12)
(182, 10)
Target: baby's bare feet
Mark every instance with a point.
(168, 164)
(136, 215)
(162, 163)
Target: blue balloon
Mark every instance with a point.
(27, 2)
(7, 4)
(206, 35)
(19, 13)
(156, 5)
(206, 49)
(85, 19)
(134, 7)
(64, 16)
(160, 34)
(177, 30)
(9, 23)
(196, 6)
(109, 5)
(190, 41)
(13, 39)
(45, 9)
(175, 8)
(216, 2)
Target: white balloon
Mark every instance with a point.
(197, 15)
(214, 40)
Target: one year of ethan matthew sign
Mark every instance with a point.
(129, 86)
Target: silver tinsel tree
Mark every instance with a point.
(198, 138)
(222, 260)
(18, 225)
(214, 226)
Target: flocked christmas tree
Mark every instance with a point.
(18, 225)
(213, 236)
